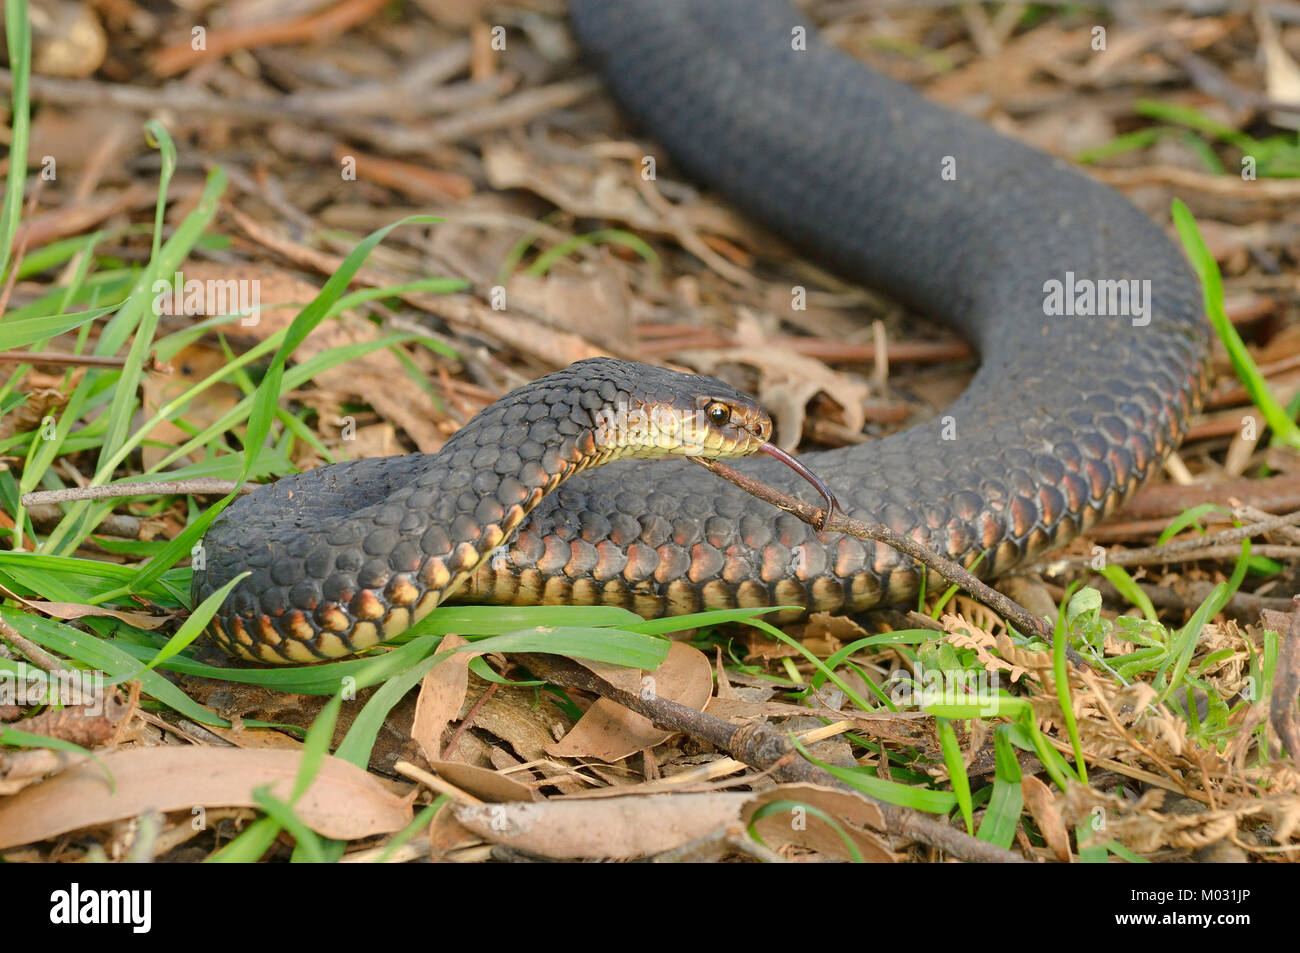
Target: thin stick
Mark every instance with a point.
(1286, 685)
(763, 747)
(1214, 546)
(408, 770)
(837, 522)
(203, 486)
(1259, 516)
(313, 28)
(42, 658)
(1162, 554)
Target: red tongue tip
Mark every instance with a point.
(832, 504)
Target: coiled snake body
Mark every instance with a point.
(1064, 419)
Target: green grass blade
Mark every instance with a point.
(784, 807)
(1060, 639)
(998, 826)
(1127, 587)
(18, 37)
(1189, 517)
(1283, 427)
(891, 792)
(190, 629)
(956, 766)
(612, 646)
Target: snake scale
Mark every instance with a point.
(1066, 416)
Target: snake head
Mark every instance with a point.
(712, 424)
(687, 415)
(724, 425)
(656, 412)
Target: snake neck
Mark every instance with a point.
(339, 585)
(487, 479)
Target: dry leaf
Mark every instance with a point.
(609, 731)
(343, 802)
(189, 366)
(1041, 804)
(75, 610)
(799, 827)
(90, 725)
(616, 828)
(594, 305)
(442, 692)
(483, 784)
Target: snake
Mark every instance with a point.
(1087, 319)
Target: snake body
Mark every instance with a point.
(1066, 416)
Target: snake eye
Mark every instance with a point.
(719, 413)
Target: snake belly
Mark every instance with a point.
(1066, 416)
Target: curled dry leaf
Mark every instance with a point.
(90, 725)
(483, 784)
(442, 692)
(621, 828)
(343, 801)
(1041, 804)
(616, 828)
(798, 824)
(609, 731)
(76, 610)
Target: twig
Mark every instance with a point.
(306, 29)
(203, 486)
(1188, 180)
(1265, 520)
(1276, 494)
(1185, 598)
(1286, 686)
(419, 775)
(1023, 619)
(762, 747)
(121, 525)
(336, 109)
(508, 112)
(1166, 554)
(1215, 546)
(54, 358)
(44, 659)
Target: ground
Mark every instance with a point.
(263, 142)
